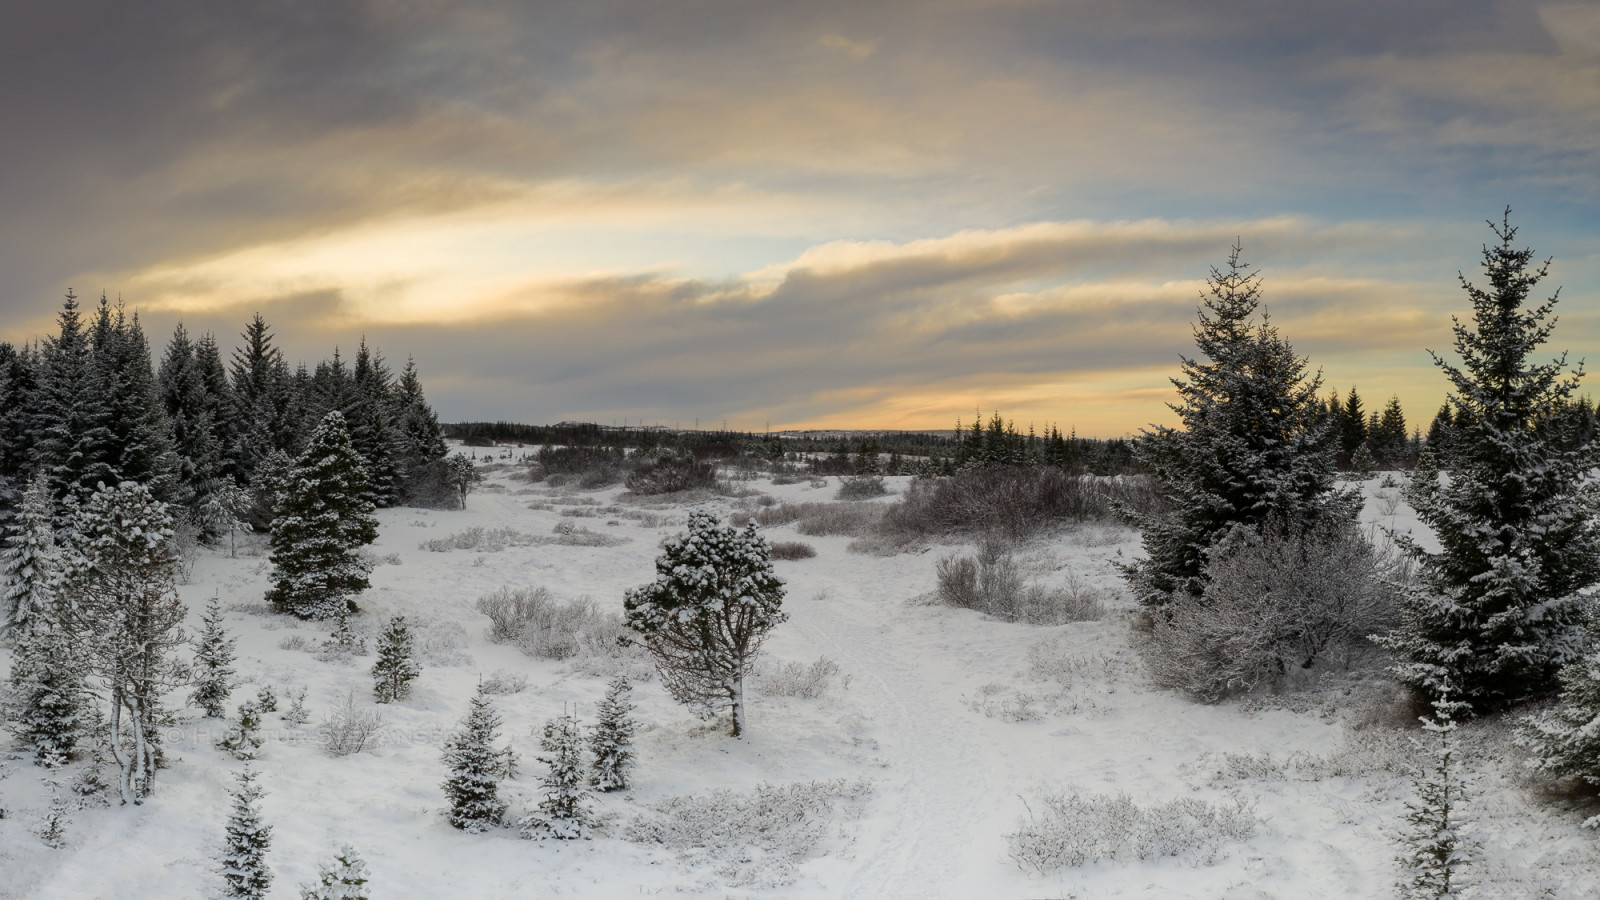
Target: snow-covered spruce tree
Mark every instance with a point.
(225, 509)
(213, 663)
(372, 427)
(53, 832)
(611, 739)
(243, 739)
(421, 446)
(1255, 446)
(68, 419)
(396, 667)
(29, 563)
(1434, 850)
(1565, 741)
(344, 878)
(321, 522)
(704, 618)
(244, 855)
(261, 387)
(476, 768)
(464, 475)
(49, 700)
(1497, 611)
(190, 412)
(120, 606)
(563, 813)
(139, 444)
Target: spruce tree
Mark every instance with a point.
(476, 768)
(49, 699)
(611, 740)
(373, 430)
(140, 446)
(1256, 447)
(345, 878)
(395, 668)
(1564, 741)
(1435, 849)
(243, 862)
(1388, 437)
(261, 388)
(213, 663)
(29, 564)
(1497, 611)
(220, 406)
(190, 412)
(68, 422)
(422, 448)
(243, 739)
(703, 619)
(1352, 424)
(321, 521)
(564, 811)
(18, 384)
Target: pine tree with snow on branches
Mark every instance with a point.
(321, 521)
(1436, 850)
(476, 768)
(611, 739)
(213, 663)
(1564, 741)
(243, 740)
(49, 697)
(345, 878)
(243, 863)
(396, 667)
(29, 563)
(563, 813)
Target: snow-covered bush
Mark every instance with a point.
(1072, 829)
(53, 830)
(1014, 502)
(792, 550)
(755, 838)
(1273, 605)
(823, 519)
(1564, 741)
(483, 540)
(503, 682)
(664, 474)
(548, 628)
(793, 679)
(350, 728)
(861, 487)
(243, 739)
(990, 583)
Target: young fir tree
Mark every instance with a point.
(611, 740)
(267, 699)
(49, 699)
(704, 618)
(564, 811)
(244, 862)
(1388, 436)
(190, 412)
(68, 422)
(213, 663)
(28, 564)
(344, 878)
(1256, 446)
(321, 522)
(53, 833)
(422, 449)
(261, 388)
(140, 445)
(476, 768)
(396, 667)
(243, 739)
(1496, 612)
(372, 428)
(1435, 850)
(121, 608)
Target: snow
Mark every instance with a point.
(925, 709)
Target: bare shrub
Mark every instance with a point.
(990, 583)
(1072, 829)
(503, 682)
(350, 728)
(295, 642)
(792, 550)
(662, 474)
(793, 679)
(569, 535)
(822, 519)
(588, 467)
(861, 487)
(485, 540)
(1274, 605)
(991, 702)
(439, 642)
(1013, 501)
(755, 839)
(548, 628)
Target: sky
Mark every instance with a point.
(798, 215)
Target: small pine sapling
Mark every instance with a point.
(47, 697)
(1435, 850)
(53, 832)
(297, 713)
(564, 812)
(476, 768)
(611, 739)
(395, 668)
(267, 699)
(345, 878)
(213, 663)
(243, 739)
(243, 862)
(1564, 741)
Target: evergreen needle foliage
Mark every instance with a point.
(243, 863)
(476, 768)
(564, 812)
(213, 662)
(1435, 849)
(395, 668)
(345, 878)
(1497, 611)
(611, 740)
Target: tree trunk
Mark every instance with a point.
(738, 703)
(124, 765)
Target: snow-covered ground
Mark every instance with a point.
(957, 723)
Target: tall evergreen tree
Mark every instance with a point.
(244, 856)
(1352, 424)
(213, 663)
(71, 441)
(1388, 435)
(476, 768)
(1496, 612)
(190, 416)
(218, 394)
(1439, 432)
(18, 381)
(564, 812)
(49, 701)
(373, 429)
(321, 521)
(140, 446)
(261, 398)
(422, 447)
(1255, 447)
